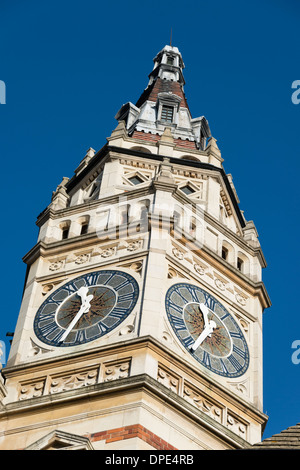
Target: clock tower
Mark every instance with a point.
(141, 321)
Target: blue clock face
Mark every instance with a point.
(86, 308)
(207, 330)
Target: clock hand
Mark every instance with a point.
(83, 309)
(206, 332)
(204, 311)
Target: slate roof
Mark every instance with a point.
(287, 439)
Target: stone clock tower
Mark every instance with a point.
(141, 321)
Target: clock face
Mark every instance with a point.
(207, 330)
(86, 308)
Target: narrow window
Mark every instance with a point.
(224, 253)
(84, 229)
(167, 113)
(65, 233)
(170, 60)
(240, 263)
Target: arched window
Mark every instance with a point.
(227, 252)
(243, 263)
(65, 229)
(84, 223)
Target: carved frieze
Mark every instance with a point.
(73, 381)
(168, 379)
(31, 390)
(116, 370)
(194, 396)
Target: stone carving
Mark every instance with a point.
(178, 253)
(83, 258)
(125, 330)
(32, 390)
(136, 266)
(169, 380)
(117, 370)
(77, 380)
(107, 252)
(135, 245)
(172, 273)
(236, 425)
(240, 299)
(56, 265)
(35, 350)
(194, 396)
(220, 284)
(199, 269)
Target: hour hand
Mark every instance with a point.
(204, 334)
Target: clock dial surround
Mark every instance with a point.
(110, 297)
(224, 350)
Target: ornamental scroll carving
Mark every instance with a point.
(192, 395)
(198, 398)
(116, 370)
(70, 382)
(169, 380)
(31, 390)
(74, 380)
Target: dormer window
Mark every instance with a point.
(167, 108)
(167, 113)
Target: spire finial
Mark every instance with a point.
(171, 38)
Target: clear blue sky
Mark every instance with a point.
(70, 65)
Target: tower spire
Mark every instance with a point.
(163, 103)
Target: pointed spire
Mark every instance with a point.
(163, 105)
(213, 152)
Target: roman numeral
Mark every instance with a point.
(224, 316)
(209, 301)
(193, 294)
(91, 279)
(46, 317)
(188, 341)
(234, 362)
(175, 307)
(239, 351)
(235, 334)
(48, 328)
(123, 284)
(71, 288)
(182, 296)
(102, 328)
(118, 312)
(224, 368)
(206, 359)
(124, 297)
(80, 336)
(178, 322)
